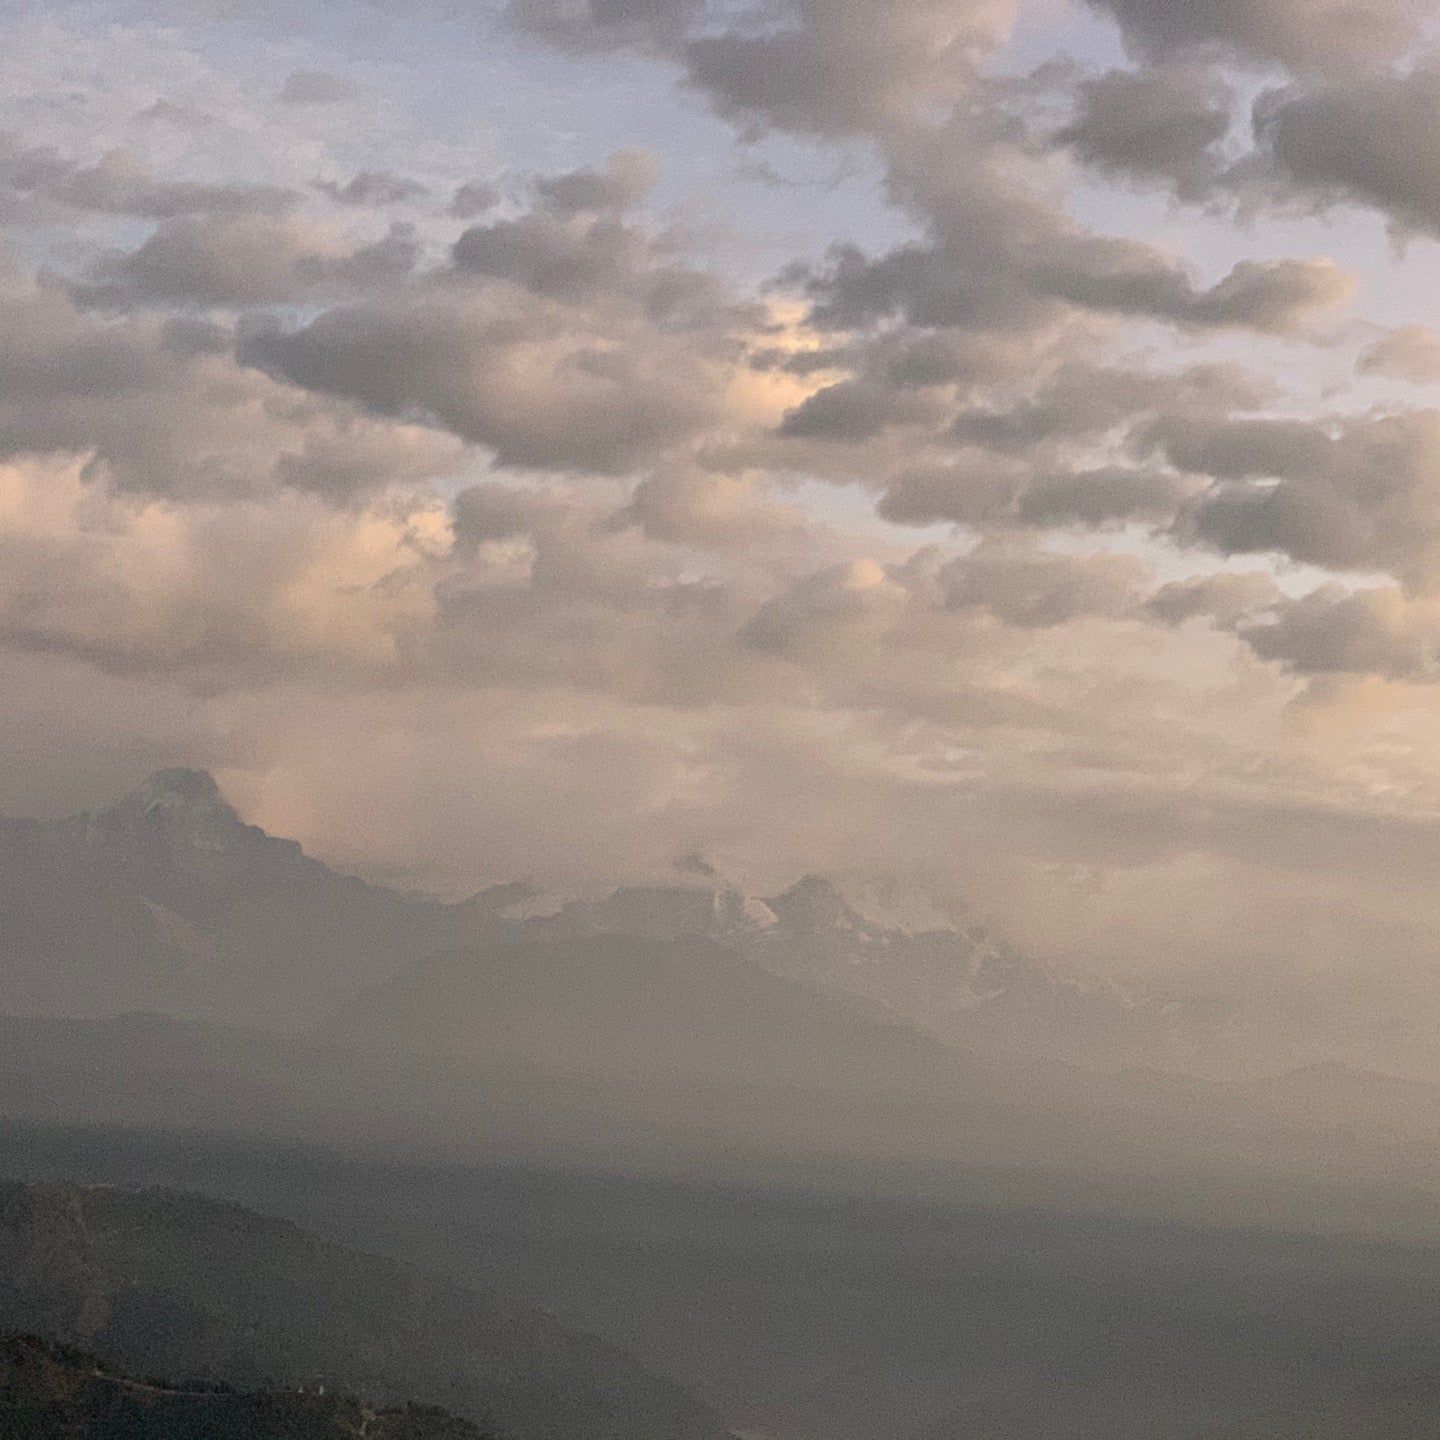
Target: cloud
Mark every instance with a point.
(1001, 256)
(548, 255)
(1370, 139)
(1036, 279)
(1081, 401)
(829, 613)
(626, 179)
(315, 87)
(1032, 589)
(1302, 34)
(1411, 352)
(473, 198)
(859, 409)
(711, 510)
(224, 590)
(1332, 631)
(1356, 496)
(524, 504)
(564, 338)
(240, 262)
(607, 24)
(1093, 499)
(1274, 297)
(1227, 598)
(533, 383)
(823, 67)
(121, 184)
(1153, 125)
(374, 188)
(161, 408)
(1028, 455)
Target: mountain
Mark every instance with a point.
(53, 1392)
(625, 1005)
(909, 959)
(167, 900)
(163, 1283)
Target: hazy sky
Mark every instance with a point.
(972, 437)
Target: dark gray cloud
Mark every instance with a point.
(606, 24)
(1093, 499)
(121, 184)
(1164, 125)
(574, 246)
(825, 617)
(1334, 631)
(549, 255)
(1082, 401)
(972, 489)
(626, 179)
(941, 286)
(528, 384)
(374, 188)
(1302, 34)
(473, 198)
(1358, 495)
(710, 510)
(565, 337)
(821, 66)
(158, 407)
(1235, 449)
(180, 117)
(1000, 255)
(236, 262)
(1025, 457)
(1371, 139)
(859, 409)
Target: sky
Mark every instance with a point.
(990, 441)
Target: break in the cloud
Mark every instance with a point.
(1056, 517)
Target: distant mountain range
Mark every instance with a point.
(163, 1283)
(165, 964)
(50, 1391)
(951, 977)
(167, 901)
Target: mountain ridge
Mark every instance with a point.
(167, 900)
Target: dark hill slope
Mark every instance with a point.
(50, 1391)
(163, 1283)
